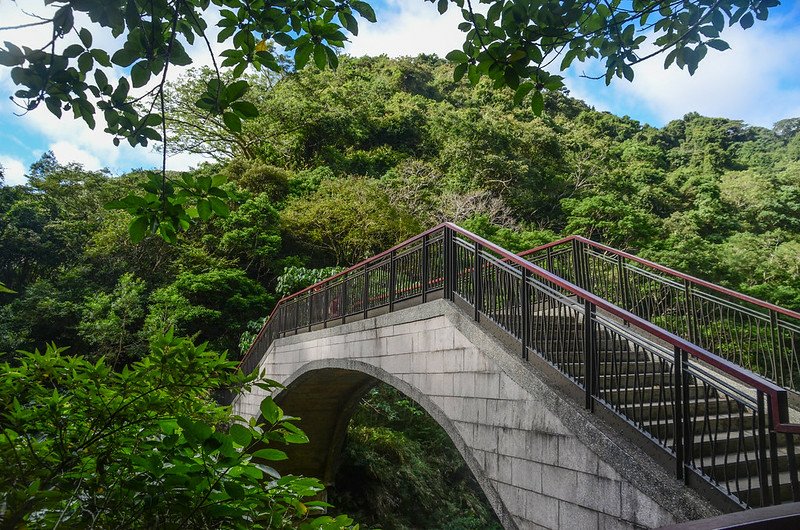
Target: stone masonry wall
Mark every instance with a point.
(542, 460)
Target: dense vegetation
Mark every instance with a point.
(341, 165)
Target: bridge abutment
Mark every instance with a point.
(540, 458)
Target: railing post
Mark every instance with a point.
(677, 413)
(477, 295)
(687, 433)
(296, 316)
(424, 275)
(550, 260)
(589, 351)
(691, 318)
(622, 274)
(576, 262)
(773, 454)
(325, 304)
(310, 308)
(392, 280)
(282, 320)
(525, 307)
(777, 351)
(762, 451)
(365, 298)
(449, 263)
(343, 308)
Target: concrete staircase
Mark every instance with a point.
(637, 384)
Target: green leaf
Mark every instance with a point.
(85, 62)
(232, 122)
(270, 410)
(86, 37)
(365, 10)
(140, 74)
(457, 56)
(442, 6)
(72, 51)
(240, 434)
(204, 209)
(270, 454)
(138, 229)
(349, 22)
(219, 207)
(123, 58)
(523, 90)
(302, 55)
(718, 44)
(537, 103)
(236, 90)
(320, 59)
(194, 430)
(747, 21)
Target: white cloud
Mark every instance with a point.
(71, 140)
(755, 81)
(13, 171)
(68, 153)
(408, 28)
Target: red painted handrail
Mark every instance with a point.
(671, 272)
(777, 394)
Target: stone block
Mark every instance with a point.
(452, 407)
(526, 474)
(639, 509)
(559, 483)
(512, 442)
(470, 413)
(541, 447)
(453, 361)
(434, 361)
(487, 385)
(443, 339)
(509, 389)
(599, 494)
(513, 498)
(464, 384)
(485, 438)
(574, 516)
(543, 511)
(573, 454)
(505, 467)
(608, 522)
(399, 344)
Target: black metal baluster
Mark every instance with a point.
(477, 296)
(525, 310)
(424, 272)
(365, 298)
(589, 312)
(392, 280)
(762, 451)
(677, 414)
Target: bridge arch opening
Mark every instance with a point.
(352, 444)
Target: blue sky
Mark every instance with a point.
(756, 81)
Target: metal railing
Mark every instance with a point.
(727, 426)
(757, 335)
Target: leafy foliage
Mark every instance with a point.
(146, 447)
(512, 44)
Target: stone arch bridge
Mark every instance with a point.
(570, 410)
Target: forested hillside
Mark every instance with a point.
(341, 165)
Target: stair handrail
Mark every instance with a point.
(666, 270)
(777, 394)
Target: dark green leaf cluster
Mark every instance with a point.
(82, 445)
(167, 206)
(513, 42)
